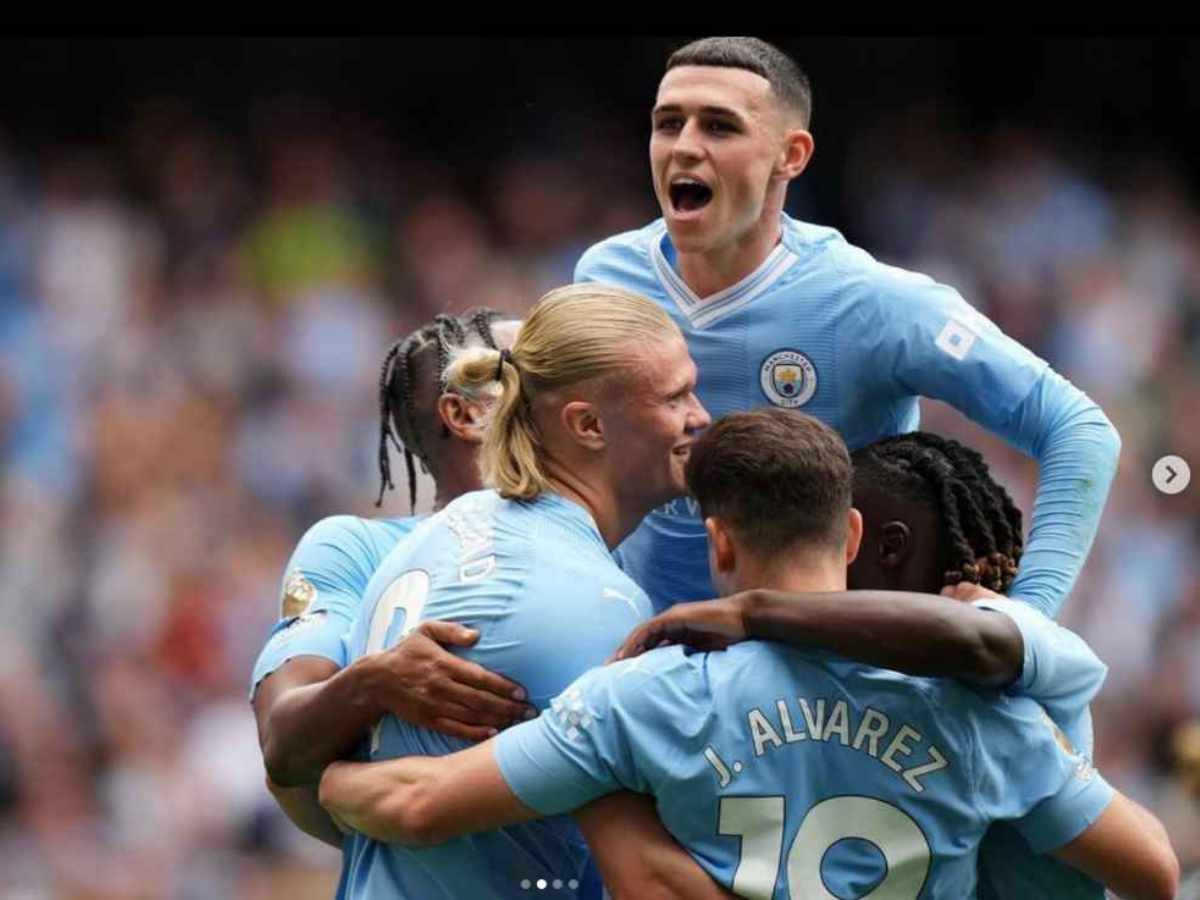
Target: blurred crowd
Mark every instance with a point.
(191, 332)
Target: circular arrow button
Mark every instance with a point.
(1171, 474)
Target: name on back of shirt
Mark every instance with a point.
(899, 747)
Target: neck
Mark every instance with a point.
(452, 481)
(801, 574)
(589, 488)
(708, 271)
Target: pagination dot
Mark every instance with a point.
(526, 884)
(541, 883)
(556, 883)
(572, 884)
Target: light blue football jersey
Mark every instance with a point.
(321, 591)
(823, 327)
(538, 582)
(791, 773)
(1062, 674)
(323, 587)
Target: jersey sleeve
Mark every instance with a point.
(925, 340)
(1060, 819)
(321, 591)
(1059, 671)
(615, 728)
(921, 338)
(1022, 758)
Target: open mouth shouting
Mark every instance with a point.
(688, 194)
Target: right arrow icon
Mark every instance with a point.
(1171, 474)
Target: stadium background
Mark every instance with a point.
(206, 247)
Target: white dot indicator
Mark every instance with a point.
(1171, 474)
(556, 884)
(541, 883)
(526, 884)
(572, 884)
(737, 767)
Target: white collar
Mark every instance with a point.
(702, 312)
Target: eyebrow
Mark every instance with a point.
(708, 110)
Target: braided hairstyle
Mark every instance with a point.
(982, 525)
(410, 382)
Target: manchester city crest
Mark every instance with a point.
(788, 378)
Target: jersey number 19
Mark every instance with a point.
(759, 821)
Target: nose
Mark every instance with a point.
(687, 143)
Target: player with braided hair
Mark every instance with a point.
(310, 705)
(973, 526)
(410, 386)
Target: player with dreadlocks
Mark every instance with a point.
(311, 706)
(934, 519)
(923, 487)
(411, 402)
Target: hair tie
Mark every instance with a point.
(505, 357)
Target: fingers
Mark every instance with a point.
(482, 707)
(464, 671)
(968, 591)
(476, 676)
(636, 643)
(462, 730)
(449, 633)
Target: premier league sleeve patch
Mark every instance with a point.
(788, 378)
(298, 595)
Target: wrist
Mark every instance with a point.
(747, 604)
(362, 680)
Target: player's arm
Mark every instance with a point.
(1032, 776)
(637, 856)
(957, 640)
(940, 347)
(419, 801)
(311, 713)
(301, 805)
(1127, 850)
(1060, 670)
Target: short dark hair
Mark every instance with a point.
(981, 526)
(787, 79)
(777, 477)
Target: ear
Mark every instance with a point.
(721, 549)
(854, 533)
(581, 419)
(895, 544)
(463, 418)
(796, 153)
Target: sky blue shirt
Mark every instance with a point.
(823, 327)
(538, 582)
(797, 773)
(322, 588)
(1061, 673)
(321, 591)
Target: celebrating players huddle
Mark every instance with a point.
(444, 679)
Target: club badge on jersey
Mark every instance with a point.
(788, 378)
(298, 595)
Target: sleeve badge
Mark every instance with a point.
(298, 595)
